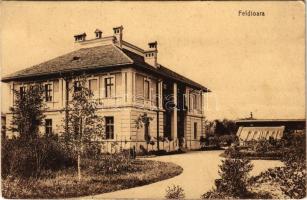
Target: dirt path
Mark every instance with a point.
(200, 171)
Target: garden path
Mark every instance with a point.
(200, 171)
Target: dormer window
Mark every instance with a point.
(76, 58)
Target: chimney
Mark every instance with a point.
(150, 55)
(118, 33)
(80, 37)
(98, 33)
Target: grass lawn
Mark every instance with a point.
(63, 184)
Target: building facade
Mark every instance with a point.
(127, 82)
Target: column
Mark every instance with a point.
(174, 129)
(160, 94)
(129, 86)
(63, 91)
(61, 104)
(11, 92)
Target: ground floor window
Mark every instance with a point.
(195, 130)
(48, 126)
(109, 127)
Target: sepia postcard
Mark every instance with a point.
(153, 100)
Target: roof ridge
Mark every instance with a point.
(121, 51)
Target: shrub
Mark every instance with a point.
(29, 158)
(174, 192)
(233, 181)
(108, 164)
(227, 139)
(292, 177)
(213, 194)
(232, 152)
(294, 181)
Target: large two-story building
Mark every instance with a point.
(127, 81)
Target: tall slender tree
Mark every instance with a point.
(83, 125)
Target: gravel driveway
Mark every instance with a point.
(200, 169)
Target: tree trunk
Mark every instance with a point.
(79, 167)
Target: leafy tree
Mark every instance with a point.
(83, 125)
(28, 111)
(144, 120)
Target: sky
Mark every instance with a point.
(251, 64)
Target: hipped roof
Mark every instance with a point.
(99, 57)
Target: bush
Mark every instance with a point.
(292, 177)
(233, 181)
(232, 152)
(108, 164)
(213, 194)
(227, 139)
(29, 158)
(174, 192)
(234, 176)
(294, 181)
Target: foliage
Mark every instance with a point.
(174, 192)
(295, 151)
(82, 124)
(144, 120)
(227, 139)
(213, 194)
(234, 176)
(232, 152)
(292, 177)
(221, 127)
(64, 183)
(28, 111)
(30, 154)
(30, 158)
(294, 181)
(233, 181)
(110, 164)
(209, 142)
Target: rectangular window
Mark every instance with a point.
(48, 126)
(109, 86)
(48, 92)
(77, 86)
(190, 102)
(93, 85)
(22, 92)
(146, 89)
(195, 102)
(195, 130)
(109, 127)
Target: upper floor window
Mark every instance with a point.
(109, 86)
(195, 102)
(77, 86)
(93, 85)
(48, 126)
(22, 92)
(146, 89)
(48, 92)
(109, 127)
